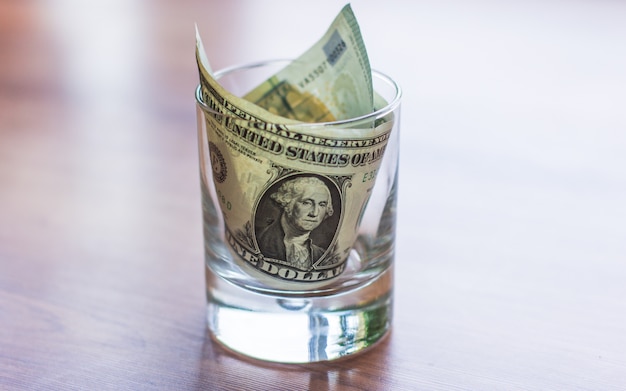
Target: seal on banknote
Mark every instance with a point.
(217, 163)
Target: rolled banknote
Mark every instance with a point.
(264, 163)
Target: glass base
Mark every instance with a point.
(299, 329)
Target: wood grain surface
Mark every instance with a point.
(511, 256)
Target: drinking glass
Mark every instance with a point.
(270, 309)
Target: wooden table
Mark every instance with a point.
(512, 236)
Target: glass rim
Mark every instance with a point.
(383, 111)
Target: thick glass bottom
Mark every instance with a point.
(300, 329)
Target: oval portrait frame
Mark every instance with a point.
(268, 212)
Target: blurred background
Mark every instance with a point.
(511, 233)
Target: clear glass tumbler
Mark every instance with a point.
(276, 307)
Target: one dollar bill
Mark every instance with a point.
(292, 193)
